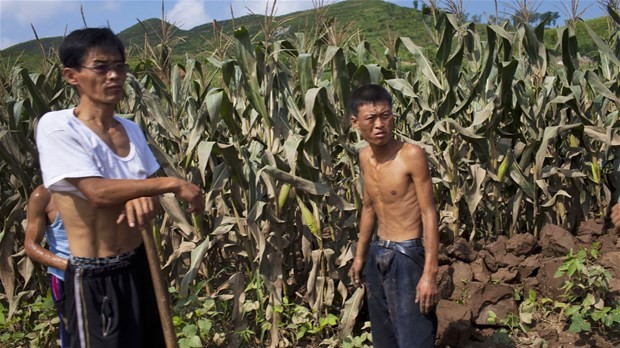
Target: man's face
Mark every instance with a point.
(375, 122)
(101, 76)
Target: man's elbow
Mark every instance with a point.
(99, 201)
(98, 197)
(29, 248)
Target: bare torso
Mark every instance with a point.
(94, 232)
(390, 186)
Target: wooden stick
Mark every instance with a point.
(161, 293)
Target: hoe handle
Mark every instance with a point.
(161, 294)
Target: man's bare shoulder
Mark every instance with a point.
(412, 151)
(39, 202)
(414, 157)
(364, 153)
(40, 195)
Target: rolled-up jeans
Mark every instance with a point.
(391, 280)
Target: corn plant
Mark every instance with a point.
(518, 134)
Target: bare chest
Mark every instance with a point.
(388, 183)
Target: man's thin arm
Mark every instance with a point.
(424, 193)
(367, 222)
(110, 192)
(35, 230)
(426, 290)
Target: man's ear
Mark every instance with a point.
(70, 76)
(354, 121)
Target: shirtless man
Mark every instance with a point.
(99, 167)
(401, 266)
(44, 220)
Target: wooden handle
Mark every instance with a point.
(161, 293)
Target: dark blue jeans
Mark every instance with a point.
(395, 318)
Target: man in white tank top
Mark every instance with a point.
(102, 176)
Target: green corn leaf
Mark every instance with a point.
(504, 166)
(599, 88)
(340, 76)
(38, 100)
(424, 65)
(305, 65)
(283, 196)
(248, 64)
(350, 312)
(603, 47)
(369, 73)
(404, 87)
(220, 176)
(596, 177)
(197, 255)
(549, 134)
(175, 212)
(525, 183)
(450, 24)
(613, 14)
(314, 188)
(551, 202)
(231, 157)
(569, 53)
(204, 151)
(308, 219)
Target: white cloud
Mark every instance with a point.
(112, 5)
(6, 42)
(26, 12)
(282, 7)
(187, 14)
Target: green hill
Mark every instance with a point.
(373, 20)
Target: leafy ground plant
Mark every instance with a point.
(33, 325)
(585, 289)
(584, 308)
(364, 340)
(199, 319)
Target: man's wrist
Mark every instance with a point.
(430, 272)
(174, 184)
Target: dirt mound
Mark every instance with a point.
(483, 289)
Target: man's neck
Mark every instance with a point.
(98, 114)
(382, 153)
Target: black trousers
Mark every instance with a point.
(111, 302)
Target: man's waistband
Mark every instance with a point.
(415, 242)
(101, 263)
(408, 248)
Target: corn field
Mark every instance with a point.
(518, 134)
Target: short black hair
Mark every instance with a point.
(368, 94)
(77, 44)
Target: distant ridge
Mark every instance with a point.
(372, 18)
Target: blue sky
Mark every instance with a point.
(55, 18)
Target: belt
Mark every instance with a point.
(415, 242)
(404, 248)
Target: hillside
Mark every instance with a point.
(373, 18)
(374, 21)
